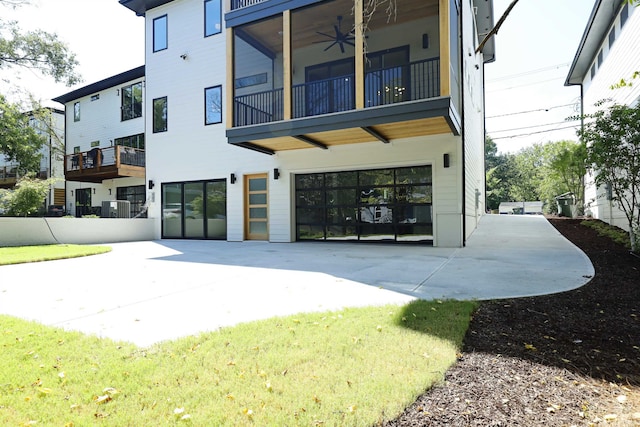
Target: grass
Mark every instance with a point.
(22, 254)
(355, 367)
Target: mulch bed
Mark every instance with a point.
(568, 359)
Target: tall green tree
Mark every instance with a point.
(612, 137)
(37, 51)
(20, 143)
(565, 168)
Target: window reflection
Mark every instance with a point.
(379, 204)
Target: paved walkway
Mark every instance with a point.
(146, 292)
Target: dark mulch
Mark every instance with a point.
(569, 359)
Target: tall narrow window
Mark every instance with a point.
(213, 105)
(600, 58)
(212, 17)
(76, 112)
(612, 36)
(160, 33)
(160, 115)
(624, 15)
(131, 101)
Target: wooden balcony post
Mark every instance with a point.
(359, 52)
(230, 78)
(445, 42)
(286, 53)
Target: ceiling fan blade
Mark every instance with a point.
(341, 47)
(330, 46)
(325, 34)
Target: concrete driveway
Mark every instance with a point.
(147, 292)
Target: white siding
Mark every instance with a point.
(474, 133)
(619, 62)
(189, 150)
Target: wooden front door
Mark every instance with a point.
(256, 225)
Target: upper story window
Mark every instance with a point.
(612, 37)
(160, 33)
(593, 71)
(131, 101)
(160, 115)
(213, 105)
(600, 58)
(624, 15)
(76, 112)
(212, 17)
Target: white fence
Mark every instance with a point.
(45, 231)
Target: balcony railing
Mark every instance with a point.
(413, 81)
(261, 107)
(239, 4)
(101, 157)
(8, 172)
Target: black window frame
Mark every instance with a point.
(134, 112)
(206, 109)
(76, 111)
(207, 17)
(157, 129)
(137, 197)
(166, 33)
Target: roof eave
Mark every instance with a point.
(109, 82)
(602, 16)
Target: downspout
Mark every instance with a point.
(462, 125)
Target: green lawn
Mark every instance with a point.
(355, 367)
(22, 254)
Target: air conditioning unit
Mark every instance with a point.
(116, 209)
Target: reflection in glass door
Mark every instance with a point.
(256, 218)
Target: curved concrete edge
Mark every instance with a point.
(511, 257)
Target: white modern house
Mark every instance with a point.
(282, 121)
(51, 164)
(608, 52)
(105, 144)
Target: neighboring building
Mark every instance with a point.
(105, 144)
(51, 153)
(270, 111)
(608, 52)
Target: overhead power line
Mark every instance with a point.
(534, 133)
(534, 126)
(527, 73)
(530, 111)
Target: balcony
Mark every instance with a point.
(385, 86)
(239, 4)
(304, 77)
(99, 164)
(8, 176)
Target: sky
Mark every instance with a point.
(526, 100)
(106, 37)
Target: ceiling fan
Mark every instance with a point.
(339, 38)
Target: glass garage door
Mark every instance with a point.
(393, 204)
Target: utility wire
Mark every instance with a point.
(533, 133)
(534, 126)
(527, 73)
(530, 111)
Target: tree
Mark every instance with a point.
(35, 50)
(38, 51)
(27, 197)
(566, 166)
(613, 144)
(19, 142)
